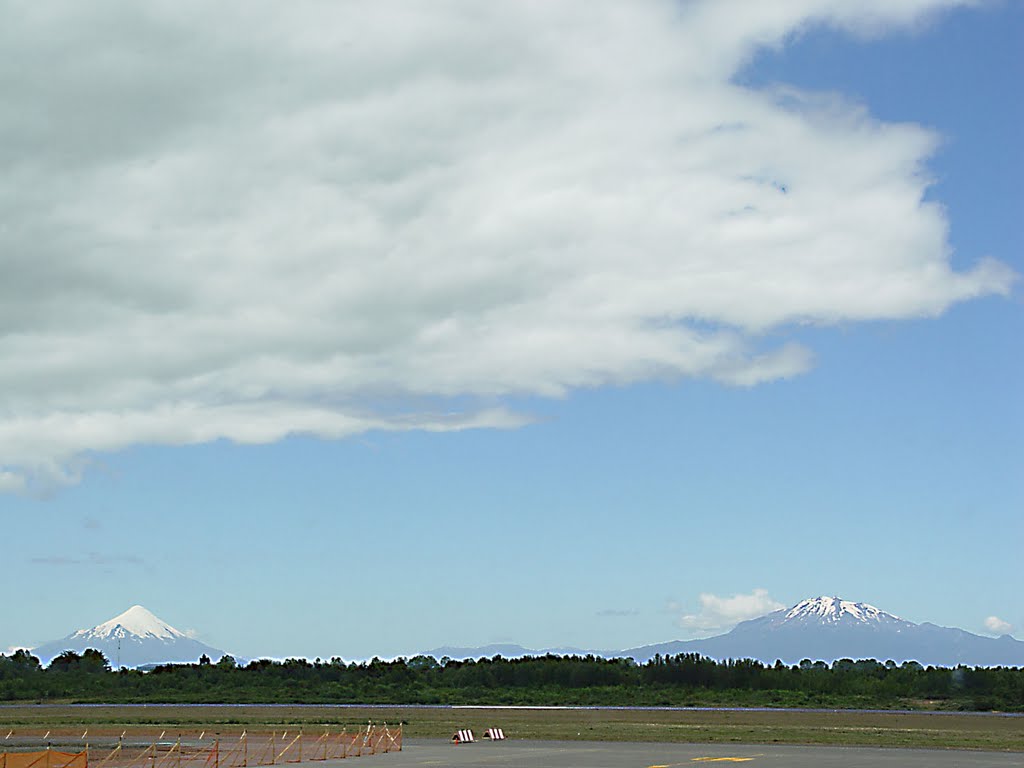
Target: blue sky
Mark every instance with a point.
(631, 461)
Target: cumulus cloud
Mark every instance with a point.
(248, 220)
(997, 626)
(718, 614)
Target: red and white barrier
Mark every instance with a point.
(463, 737)
(495, 734)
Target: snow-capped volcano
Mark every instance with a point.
(132, 639)
(829, 628)
(137, 622)
(836, 611)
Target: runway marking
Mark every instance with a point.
(721, 759)
(707, 760)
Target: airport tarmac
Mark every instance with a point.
(582, 754)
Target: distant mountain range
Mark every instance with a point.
(509, 651)
(818, 629)
(136, 638)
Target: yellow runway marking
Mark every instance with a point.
(722, 759)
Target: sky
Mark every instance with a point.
(361, 329)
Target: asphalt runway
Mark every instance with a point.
(581, 754)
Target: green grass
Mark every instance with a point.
(889, 729)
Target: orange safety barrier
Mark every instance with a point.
(47, 758)
(137, 748)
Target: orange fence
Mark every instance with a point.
(133, 749)
(47, 758)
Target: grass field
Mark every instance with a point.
(889, 729)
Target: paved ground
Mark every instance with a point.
(555, 754)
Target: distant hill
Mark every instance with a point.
(136, 638)
(820, 629)
(507, 651)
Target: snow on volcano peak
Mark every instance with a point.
(133, 639)
(834, 609)
(137, 622)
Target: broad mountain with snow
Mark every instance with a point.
(819, 629)
(135, 638)
(829, 628)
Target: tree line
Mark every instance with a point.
(681, 680)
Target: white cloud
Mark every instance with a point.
(11, 481)
(248, 220)
(719, 614)
(997, 626)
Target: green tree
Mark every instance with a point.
(94, 661)
(67, 661)
(24, 659)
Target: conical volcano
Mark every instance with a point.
(135, 638)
